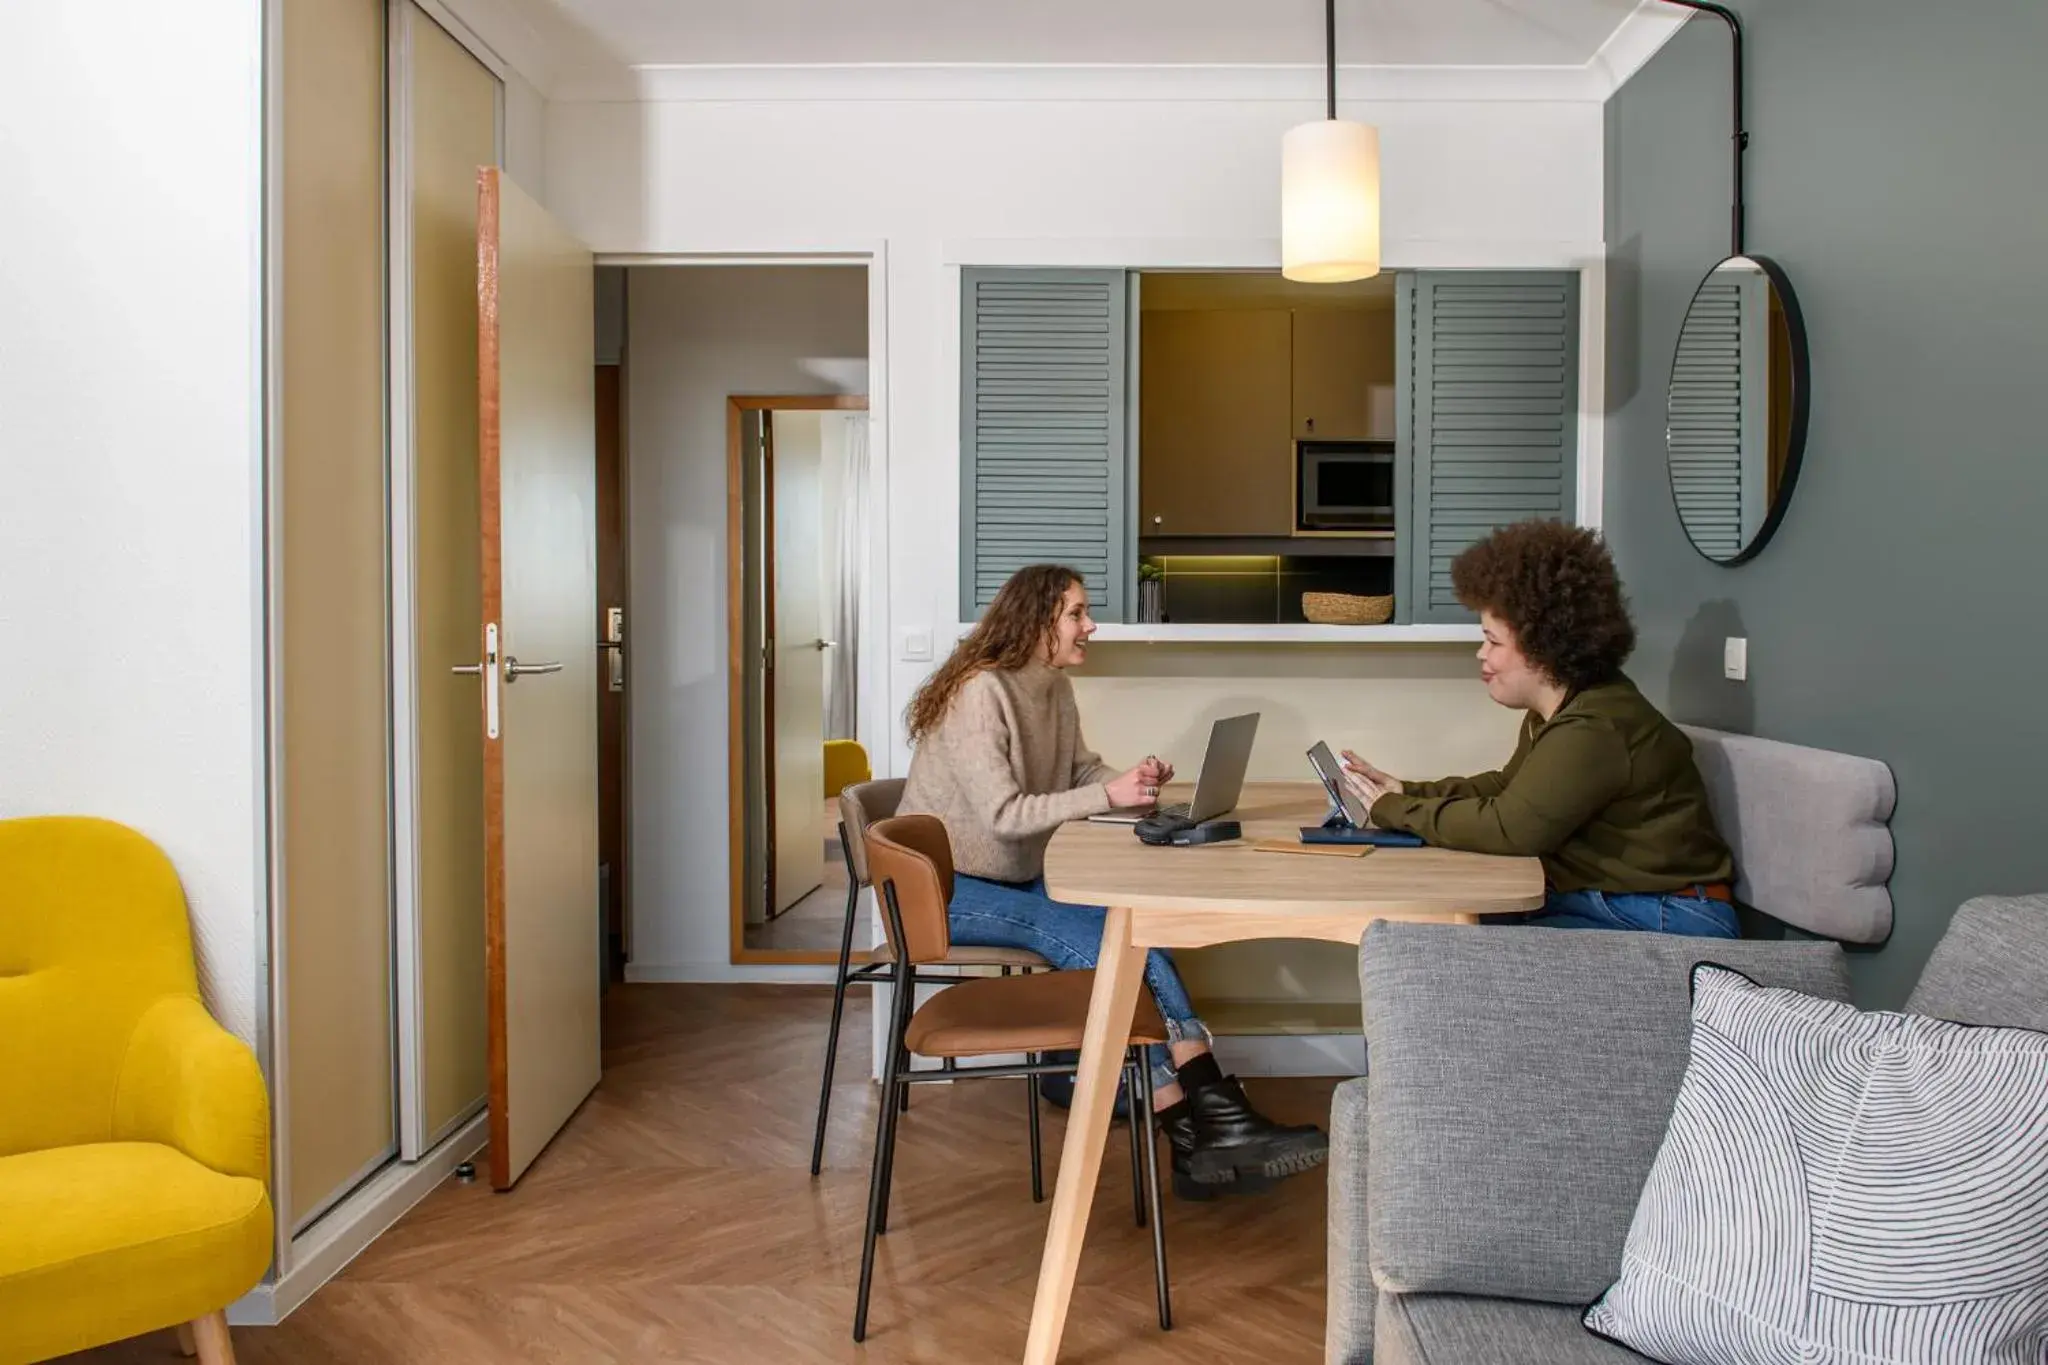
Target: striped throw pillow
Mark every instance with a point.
(1841, 1188)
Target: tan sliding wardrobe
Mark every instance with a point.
(451, 127)
(337, 1098)
(381, 121)
(430, 532)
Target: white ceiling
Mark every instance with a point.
(1081, 32)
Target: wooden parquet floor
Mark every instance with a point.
(675, 1219)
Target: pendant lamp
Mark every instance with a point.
(1330, 190)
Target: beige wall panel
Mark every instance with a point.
(453, 131)
(341, 1118)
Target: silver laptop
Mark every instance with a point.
(1221, 780)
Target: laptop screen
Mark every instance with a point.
(1221, 780)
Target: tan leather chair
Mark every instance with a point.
(911, 862)
(860, 805)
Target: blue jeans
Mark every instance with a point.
(1020, 915)
(1669, 913)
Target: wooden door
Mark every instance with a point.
(796, 727)
(1214, 454)
(537, 470)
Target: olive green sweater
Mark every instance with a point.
(1605, 792)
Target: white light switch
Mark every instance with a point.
(917, 645)
(1735, 658)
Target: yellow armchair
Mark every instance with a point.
(846, 763)
(134, 1130)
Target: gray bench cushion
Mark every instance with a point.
(1443, 1329)
(1347, 1314)
(1808, 829)
(1521, 1082)
(1991, 967)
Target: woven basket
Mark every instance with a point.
(1346, 609)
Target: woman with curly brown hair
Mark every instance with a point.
(1601, 786)
(1000, 761)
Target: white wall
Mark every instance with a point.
(695, 336)
(933, 185)
(130, 442)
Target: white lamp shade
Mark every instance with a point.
(1330, 202)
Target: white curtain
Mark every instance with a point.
(842, 686)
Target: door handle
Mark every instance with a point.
(824, 644)
(514, 670)
(473, 670)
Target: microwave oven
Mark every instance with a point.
(1344, 486)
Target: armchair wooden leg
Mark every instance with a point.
(187, 1344)
(211, 1333)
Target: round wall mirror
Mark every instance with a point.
(1735, 420)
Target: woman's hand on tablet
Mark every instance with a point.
(1366, 781)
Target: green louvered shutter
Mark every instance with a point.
(1489, 399)
(1043, 456)
(1718, 412)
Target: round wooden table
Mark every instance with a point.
(1223, 893)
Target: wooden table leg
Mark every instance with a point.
(1118, 974)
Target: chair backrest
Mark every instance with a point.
(1809, 829)
(912, 854)
(860, 806)
(93, 931)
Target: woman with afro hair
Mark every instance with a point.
(1601, 786)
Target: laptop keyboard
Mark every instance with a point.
(1179, 810)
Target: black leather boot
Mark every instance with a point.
(1179, 1125)
(1230, 1142)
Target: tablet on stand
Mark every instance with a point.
(1348, 822)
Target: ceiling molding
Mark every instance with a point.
(952, 83)
(1637, 39)
(544, 47)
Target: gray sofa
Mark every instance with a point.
(1483, 1177)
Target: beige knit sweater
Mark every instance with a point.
(1004, 769)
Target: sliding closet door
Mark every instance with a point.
(452, 129)
(339, 1119)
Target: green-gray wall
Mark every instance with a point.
(1897, 171)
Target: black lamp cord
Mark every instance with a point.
(1740, 137)
(1330, 51)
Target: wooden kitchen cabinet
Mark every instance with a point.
(1343, 374)
(1216, 457)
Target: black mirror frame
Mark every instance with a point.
(1802, 383)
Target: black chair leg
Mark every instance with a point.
(899, 1024)
(1031, 1125)
(1144, 1098)
(878, 1183)
(1132, 1079)
(903, 1101)
(838, 1008)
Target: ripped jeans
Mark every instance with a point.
(1020, 915)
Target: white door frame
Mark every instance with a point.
(872, 723)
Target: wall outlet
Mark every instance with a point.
(917, 646)
(1735, 658)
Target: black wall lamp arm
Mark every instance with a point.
(1740, 138)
